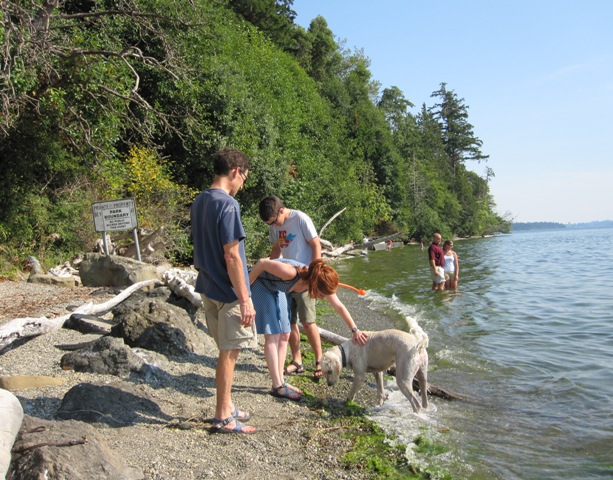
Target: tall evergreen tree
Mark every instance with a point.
(461, 144)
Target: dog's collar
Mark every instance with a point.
(343, 356)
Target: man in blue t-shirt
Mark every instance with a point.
(223, 281)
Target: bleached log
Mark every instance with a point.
(328, 336)
(99, 246)
(181, 288)
(330, 221)
(11, 416)
(339, 251)
(64, 270)
(143, 243)
(33, 327)
(326, 244)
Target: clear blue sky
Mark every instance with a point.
(536, 75)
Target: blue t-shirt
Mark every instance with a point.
(216, 221)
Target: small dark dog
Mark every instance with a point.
(381, 351)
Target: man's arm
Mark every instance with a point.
(315, 248)
(234, 264)
(433, 264)
(275, 252)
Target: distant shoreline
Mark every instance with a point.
(531, 226)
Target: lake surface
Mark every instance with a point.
(528, 341)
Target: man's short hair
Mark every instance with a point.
(227, 159)
(270, 207)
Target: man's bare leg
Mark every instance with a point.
(224, 376)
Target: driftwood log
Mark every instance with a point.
(11, 416)
(330, 221)
(20, 328)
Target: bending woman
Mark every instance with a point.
(272, 318)
(289, 276)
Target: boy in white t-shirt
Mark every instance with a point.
(294, 236)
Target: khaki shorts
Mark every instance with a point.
(224, 323)
(303, 308)
(439, 276)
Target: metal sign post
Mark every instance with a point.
(115, 216)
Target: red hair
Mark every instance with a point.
(322, 279)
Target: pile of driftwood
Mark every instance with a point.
(149, 244)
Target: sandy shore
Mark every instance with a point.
(296, 440)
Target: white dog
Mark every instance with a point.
(381, 351)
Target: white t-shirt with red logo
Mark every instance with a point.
(293, 237)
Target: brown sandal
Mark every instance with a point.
(318, 373)
(298, 368)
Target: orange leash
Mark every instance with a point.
(358, 290)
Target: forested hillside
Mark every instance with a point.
(108, 99)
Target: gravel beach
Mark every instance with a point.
(293, 440)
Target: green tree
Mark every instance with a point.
(461, 144)
(273, 17)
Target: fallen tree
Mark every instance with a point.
(27, 327)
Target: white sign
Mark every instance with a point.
(115, 215)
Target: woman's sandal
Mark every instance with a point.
(298, 368)
(218, 426)
(286, 391)
(318, 373)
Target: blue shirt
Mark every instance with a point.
(216, 221)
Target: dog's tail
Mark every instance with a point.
(418, 333)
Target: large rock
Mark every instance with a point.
(151, 321)
(80, 453)
(116, 404)
(98, 270)
(106, 356)
(48, 279)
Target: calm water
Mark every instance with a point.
(527, 340)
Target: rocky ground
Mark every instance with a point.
(296, 440)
